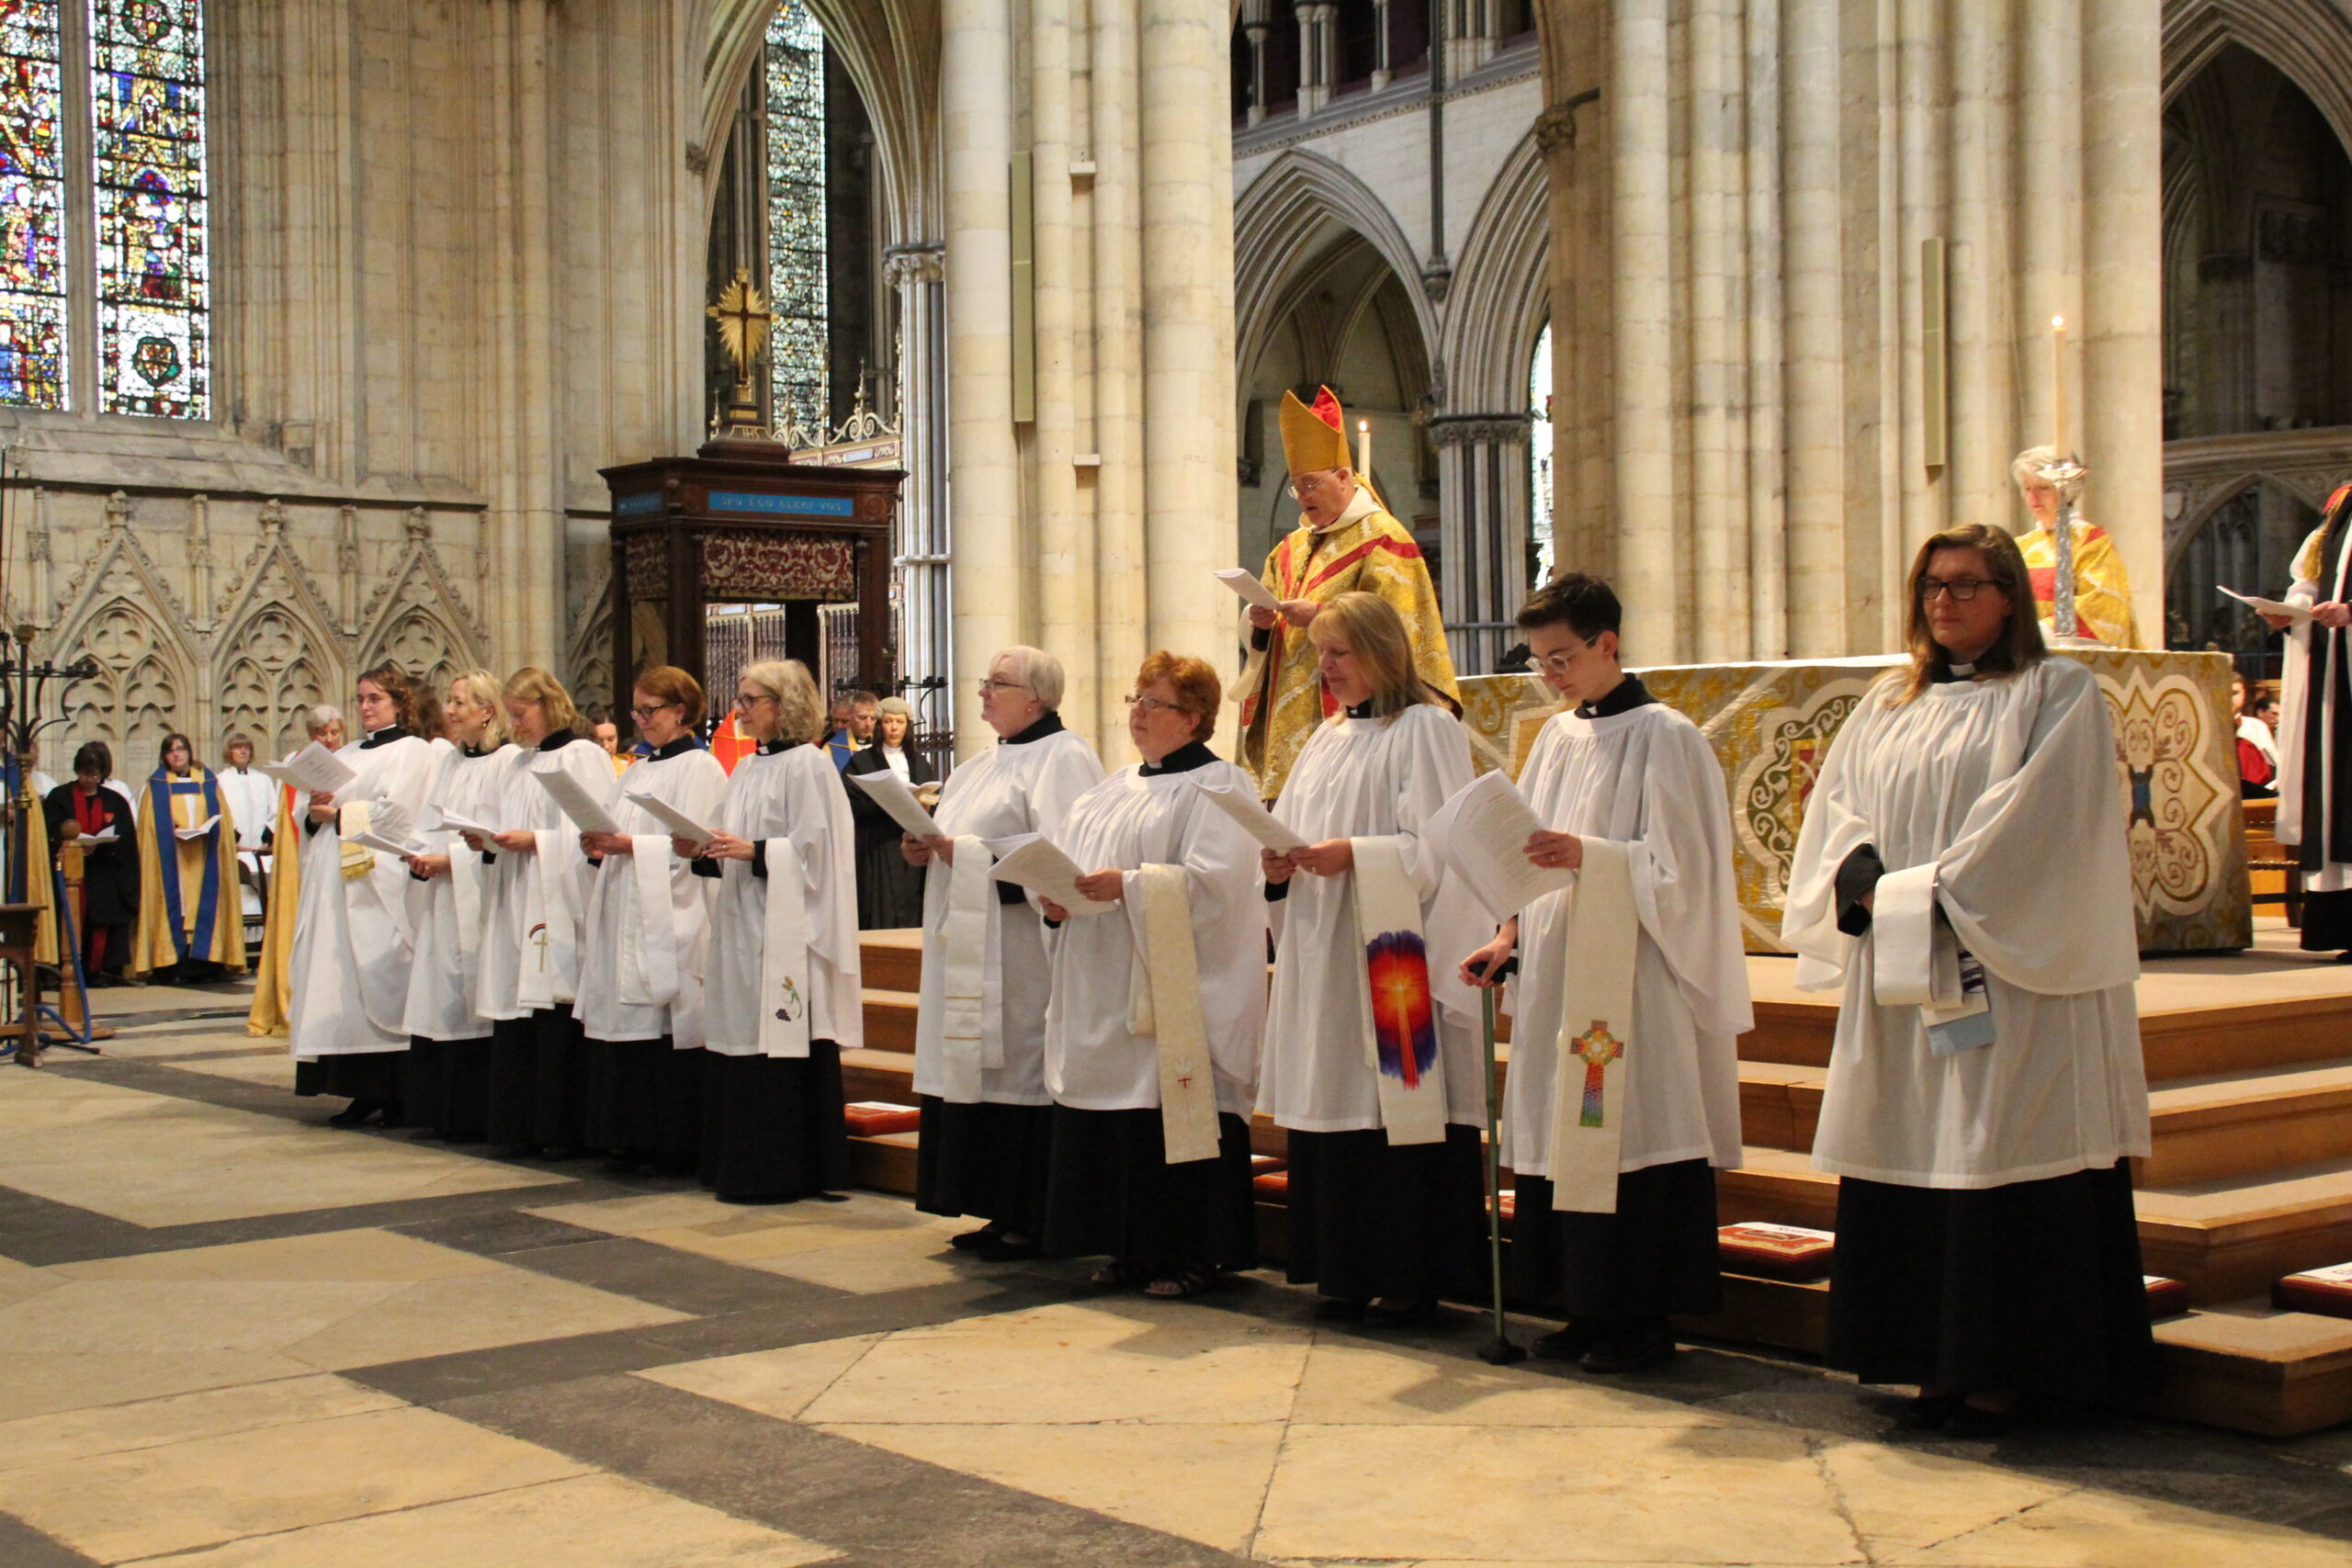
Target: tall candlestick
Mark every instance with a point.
(1363, 448)
(2058, 387)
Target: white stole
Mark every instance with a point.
(465, 886)
(1164, 1001)
(963, 944)
(652, 979)
(785, 994)
(1401, 1013)
(552, 956)
(1596, 1030)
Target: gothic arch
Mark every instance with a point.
(2308, 41)
(2310, 487)
(1501, 291)
(416, 619)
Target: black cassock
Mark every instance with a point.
(109, 910)
(2326, 793)
(890, 891)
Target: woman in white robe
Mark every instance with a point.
(1383, 1198)
(644, 941)
(355, 928)
(986, 1133)
(532, 899)
(1191, 1016)
(2315, 730)
(448, 1050)
(1962, 870)
(783, 1001)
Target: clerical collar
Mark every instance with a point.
(383, 737)
(678, 748)
(1183, 759)
(1956, 671)
(1626, 695)
(1361, 709)
(557, 741)
(472, 751)
(771, 748)
(1049, 725)
(1360, 506)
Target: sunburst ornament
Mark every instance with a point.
(743, 319)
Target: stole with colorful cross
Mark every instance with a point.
(1595, 1047)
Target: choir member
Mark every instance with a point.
(1384, 1104)
(987, 1119)
(644, 942)
(448, 1053)
(107, 909)
(2315, 730)
(536, 887)
(1621, 769)
(889, 886)
(782, 1000)
(1153, 1065)
(1985, 1091)
(355, 930)
(273, 974)
(191, 924)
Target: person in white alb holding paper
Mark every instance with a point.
(981, 1077)
(1620, 779)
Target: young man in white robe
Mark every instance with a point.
(1624, 771)
(1159, 1005)
(644, 940)
(987, 1132)
(2315, 730)
(1373, 1066)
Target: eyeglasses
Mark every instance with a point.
(1963, 589)
(995, 685)
(753, 699)
(641, 715)
(1297, 490)
(1558, 663)
(1148, 705)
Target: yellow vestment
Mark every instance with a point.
(203, 903)
(273, 987)
(2102, 591)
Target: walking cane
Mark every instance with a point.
(1500, 1351)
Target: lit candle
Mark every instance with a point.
(2058, 387)
(1363, 448)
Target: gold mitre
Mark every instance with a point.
(1315, 439)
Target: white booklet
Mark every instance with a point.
(1254, 593)
(587, 813)
(452, 822)
(313, 768)
(891, 794)
(200, 829)
(2297, 614)
(1481, 835)
(392, 847)
(678, 822)
(1031, 860)
(96, 840)
(1250, 815)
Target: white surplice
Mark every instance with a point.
(1093, 1061)
(2317, 581)
(1008, 789)
(793, 794)
(641, 969)
(1366, 778)
(252, 799)
(1647, 779)
(354, 936)
(523, 891)
(2007, 788)
(449, 909)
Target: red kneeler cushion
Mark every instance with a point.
(872, 1118)
(1777, 1252)
(2165, 1297)
(1271, 1185)
(2325, 1290)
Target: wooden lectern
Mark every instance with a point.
(20, 926)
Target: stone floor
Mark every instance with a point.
(239, 1338)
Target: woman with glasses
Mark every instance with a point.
(643, 938)
(538, 885)
(987, 1119)
(889, 886)
(782, 1000)
(1962, 870)
(1384, 1178)
(191, 921)
(1159, 1004)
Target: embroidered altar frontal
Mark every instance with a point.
(1771, 724)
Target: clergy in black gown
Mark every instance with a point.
(889, 888)
(109, 902)
(2315, 730)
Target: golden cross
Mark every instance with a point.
(539, 939)
(743, 319)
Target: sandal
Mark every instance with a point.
(1179, 1284)
(1115, 1273)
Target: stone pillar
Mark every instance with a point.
(1381, 74)
(1257, 21)
(1483, 496)
(926, 633)
(1316, 55)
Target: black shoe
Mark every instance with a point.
(1006, 1247)
(623, 1165)
(1569, 1343)
(1341, 1308)
(1402, 1314)
(1630, 1350)
(972, 1241)
(356, 1114)
(1930, 1411)
(1975, 1421)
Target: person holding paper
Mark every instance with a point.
(643, 942)
(1623, 1094)
(1962, 869)
(537, 885)
(253, 806)
(783, 999)
(1152, 1035)
(889, 886)
(2315, 729)
(191, 924)
(273, 974)
(446, 1090)
(109, 905)
(1345, 541)
(987, 1134)
(354, 933)
(1373, 1059)
(2102, 587)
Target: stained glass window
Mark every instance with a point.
(32, 206)
(795, 105)
(147, 123)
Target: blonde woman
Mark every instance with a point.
(1385, 1178)
(538, 885)
(448, 1053)
(889, 889)
(782, 1000)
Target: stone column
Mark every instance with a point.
(1482, 495)
(1257, 21)
(1316, 52)
(1381, 74)
(926, 638)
